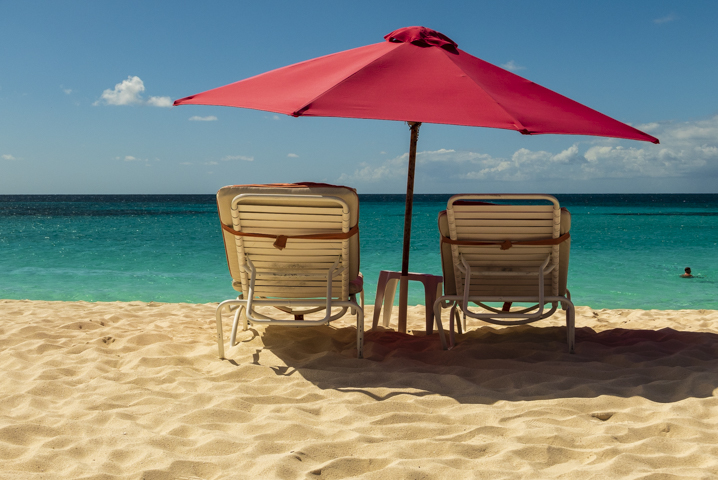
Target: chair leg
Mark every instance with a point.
(452, 339)
(220, 340)
(455, 312)
(437, 320)
(389, 299)
(380, 290)
(360, 333)
(245, 320)
(571, 328)
(432, 291)
(235, 325)
(353, 296)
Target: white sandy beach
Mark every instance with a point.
(135, 390)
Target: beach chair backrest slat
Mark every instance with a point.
(290, 222)
(487, 230)
(297, 244)
(504, 222)
(281, 253)
(513, 209)
(284, 209)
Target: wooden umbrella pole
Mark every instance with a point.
(404, 279)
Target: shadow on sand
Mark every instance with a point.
(514, 364)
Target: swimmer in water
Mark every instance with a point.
(688, 273)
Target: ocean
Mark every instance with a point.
(627, 251)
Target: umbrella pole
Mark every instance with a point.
(404, 279)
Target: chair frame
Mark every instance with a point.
(245, 303)
(464, 273)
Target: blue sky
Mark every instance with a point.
(85, 88)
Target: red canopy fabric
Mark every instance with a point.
(416, 75)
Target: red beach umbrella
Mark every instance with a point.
(419, 76)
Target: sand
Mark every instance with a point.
(135, 390)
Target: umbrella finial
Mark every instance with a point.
(422, 37)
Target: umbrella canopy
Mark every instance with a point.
(416, 75)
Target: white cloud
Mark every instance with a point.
(132, 158)
(391, 169)
(275, 117)
(396, 167)
(67, 91)
(648, 127)
(666, 19)
(185, 163)
(211, 163)
(8, 157)
(129, 92)
(196, 118)
(701, 131)
(292, 155)
(164, 102)
(238, 157)
(687, 150)
(512, 66)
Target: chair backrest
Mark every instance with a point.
(290, 210)
(469, 217)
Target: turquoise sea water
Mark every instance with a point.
(627, 251)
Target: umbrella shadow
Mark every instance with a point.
(513, 364)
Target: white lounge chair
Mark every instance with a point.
(294, 247)
(506, 254)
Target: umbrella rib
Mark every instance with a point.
(519, 126)
(307, 105)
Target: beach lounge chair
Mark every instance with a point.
(507, 253)
(294, 247)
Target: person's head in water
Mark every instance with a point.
(688, 272)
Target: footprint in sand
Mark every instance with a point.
(603, 416)
(107, 340)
